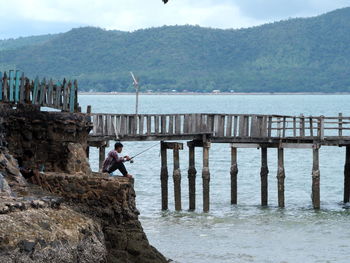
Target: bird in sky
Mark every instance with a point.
(165, 1)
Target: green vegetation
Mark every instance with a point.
(295, 55)
(10, 44)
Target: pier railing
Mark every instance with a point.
(220, 125)
(16, 88)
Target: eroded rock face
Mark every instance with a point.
(77, 160)
(46, 140)
(34, 227)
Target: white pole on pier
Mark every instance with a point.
(136, 85)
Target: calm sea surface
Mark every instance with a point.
(246, 232)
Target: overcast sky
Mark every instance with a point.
(35, 17)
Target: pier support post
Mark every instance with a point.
(264, 175)
(87, 150)
(234, 172)
(164, 175)
(347, 175)
(101, 145)
(88, 109)
(206, 176)
(102, 155)
(315, 178)
(177, 178)
(192, 177)
(280, 177)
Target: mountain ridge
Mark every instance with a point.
(295, 55)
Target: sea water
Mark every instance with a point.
(245, 232)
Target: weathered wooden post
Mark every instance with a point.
(177, 178)
(192, 176)
(206, 176)
(280, 178)
(315, 178)
(340, 125)
(102, 155)
(234, 172)
(164, 175)
(87, 150)
(88, 109)
(347, 175)
(264, 175)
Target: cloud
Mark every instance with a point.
(281, 9)
(30, 17)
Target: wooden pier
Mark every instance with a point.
(240, 131)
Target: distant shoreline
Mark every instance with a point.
(215, 94)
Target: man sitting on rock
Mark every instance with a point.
(115, 162)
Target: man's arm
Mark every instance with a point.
(116, 157)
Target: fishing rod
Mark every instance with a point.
(149, 148)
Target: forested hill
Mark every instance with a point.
(311, 55)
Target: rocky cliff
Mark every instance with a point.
(70, 214)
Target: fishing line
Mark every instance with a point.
(149, 148)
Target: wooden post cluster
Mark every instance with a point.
(191, 174)
(176, 174)
(15, 88)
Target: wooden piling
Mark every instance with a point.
(192, 177)
(88, 109)
(164, 175)
(264, 175)
(316, 178)
(347, 176)
(102, 155)
(87, 150)
(206, 176)
(280, 178)
(234, 172)
(177, 178)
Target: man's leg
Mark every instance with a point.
(120, 167)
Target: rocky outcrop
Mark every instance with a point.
(36, 227)
(71, 214)
(109, 201)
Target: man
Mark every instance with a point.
(115, 162)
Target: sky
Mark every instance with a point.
(37, 17)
